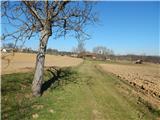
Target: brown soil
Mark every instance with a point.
(22, 62)
(145, 78)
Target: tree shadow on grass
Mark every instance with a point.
(59, 77)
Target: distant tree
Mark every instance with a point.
(52, 51)
(102, 50)
(27, 50)
(9, 45)
(47, 18)
(74, 50)
(81, 38)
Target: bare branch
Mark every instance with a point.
(46, 8)
(33, 12)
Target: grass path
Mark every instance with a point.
(107, 103)
(85, 94)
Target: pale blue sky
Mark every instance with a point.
(125, 27)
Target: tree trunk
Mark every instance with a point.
(40, 60)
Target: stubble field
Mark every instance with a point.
(22, 62)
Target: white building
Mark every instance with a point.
(4, 50)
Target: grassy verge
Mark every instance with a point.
(16, 96)
(17, 101)
(79, 93)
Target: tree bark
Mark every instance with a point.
(40, 60)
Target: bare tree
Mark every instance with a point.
(9, 45)
(48, 18)
(103, 50)
(81, 38)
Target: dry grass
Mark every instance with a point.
(22, 62)
(145, 78)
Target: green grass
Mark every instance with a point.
(81, 93)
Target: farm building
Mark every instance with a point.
(93, 56)
(3, 50)
(87, 55)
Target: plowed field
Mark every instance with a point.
(144, 77)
